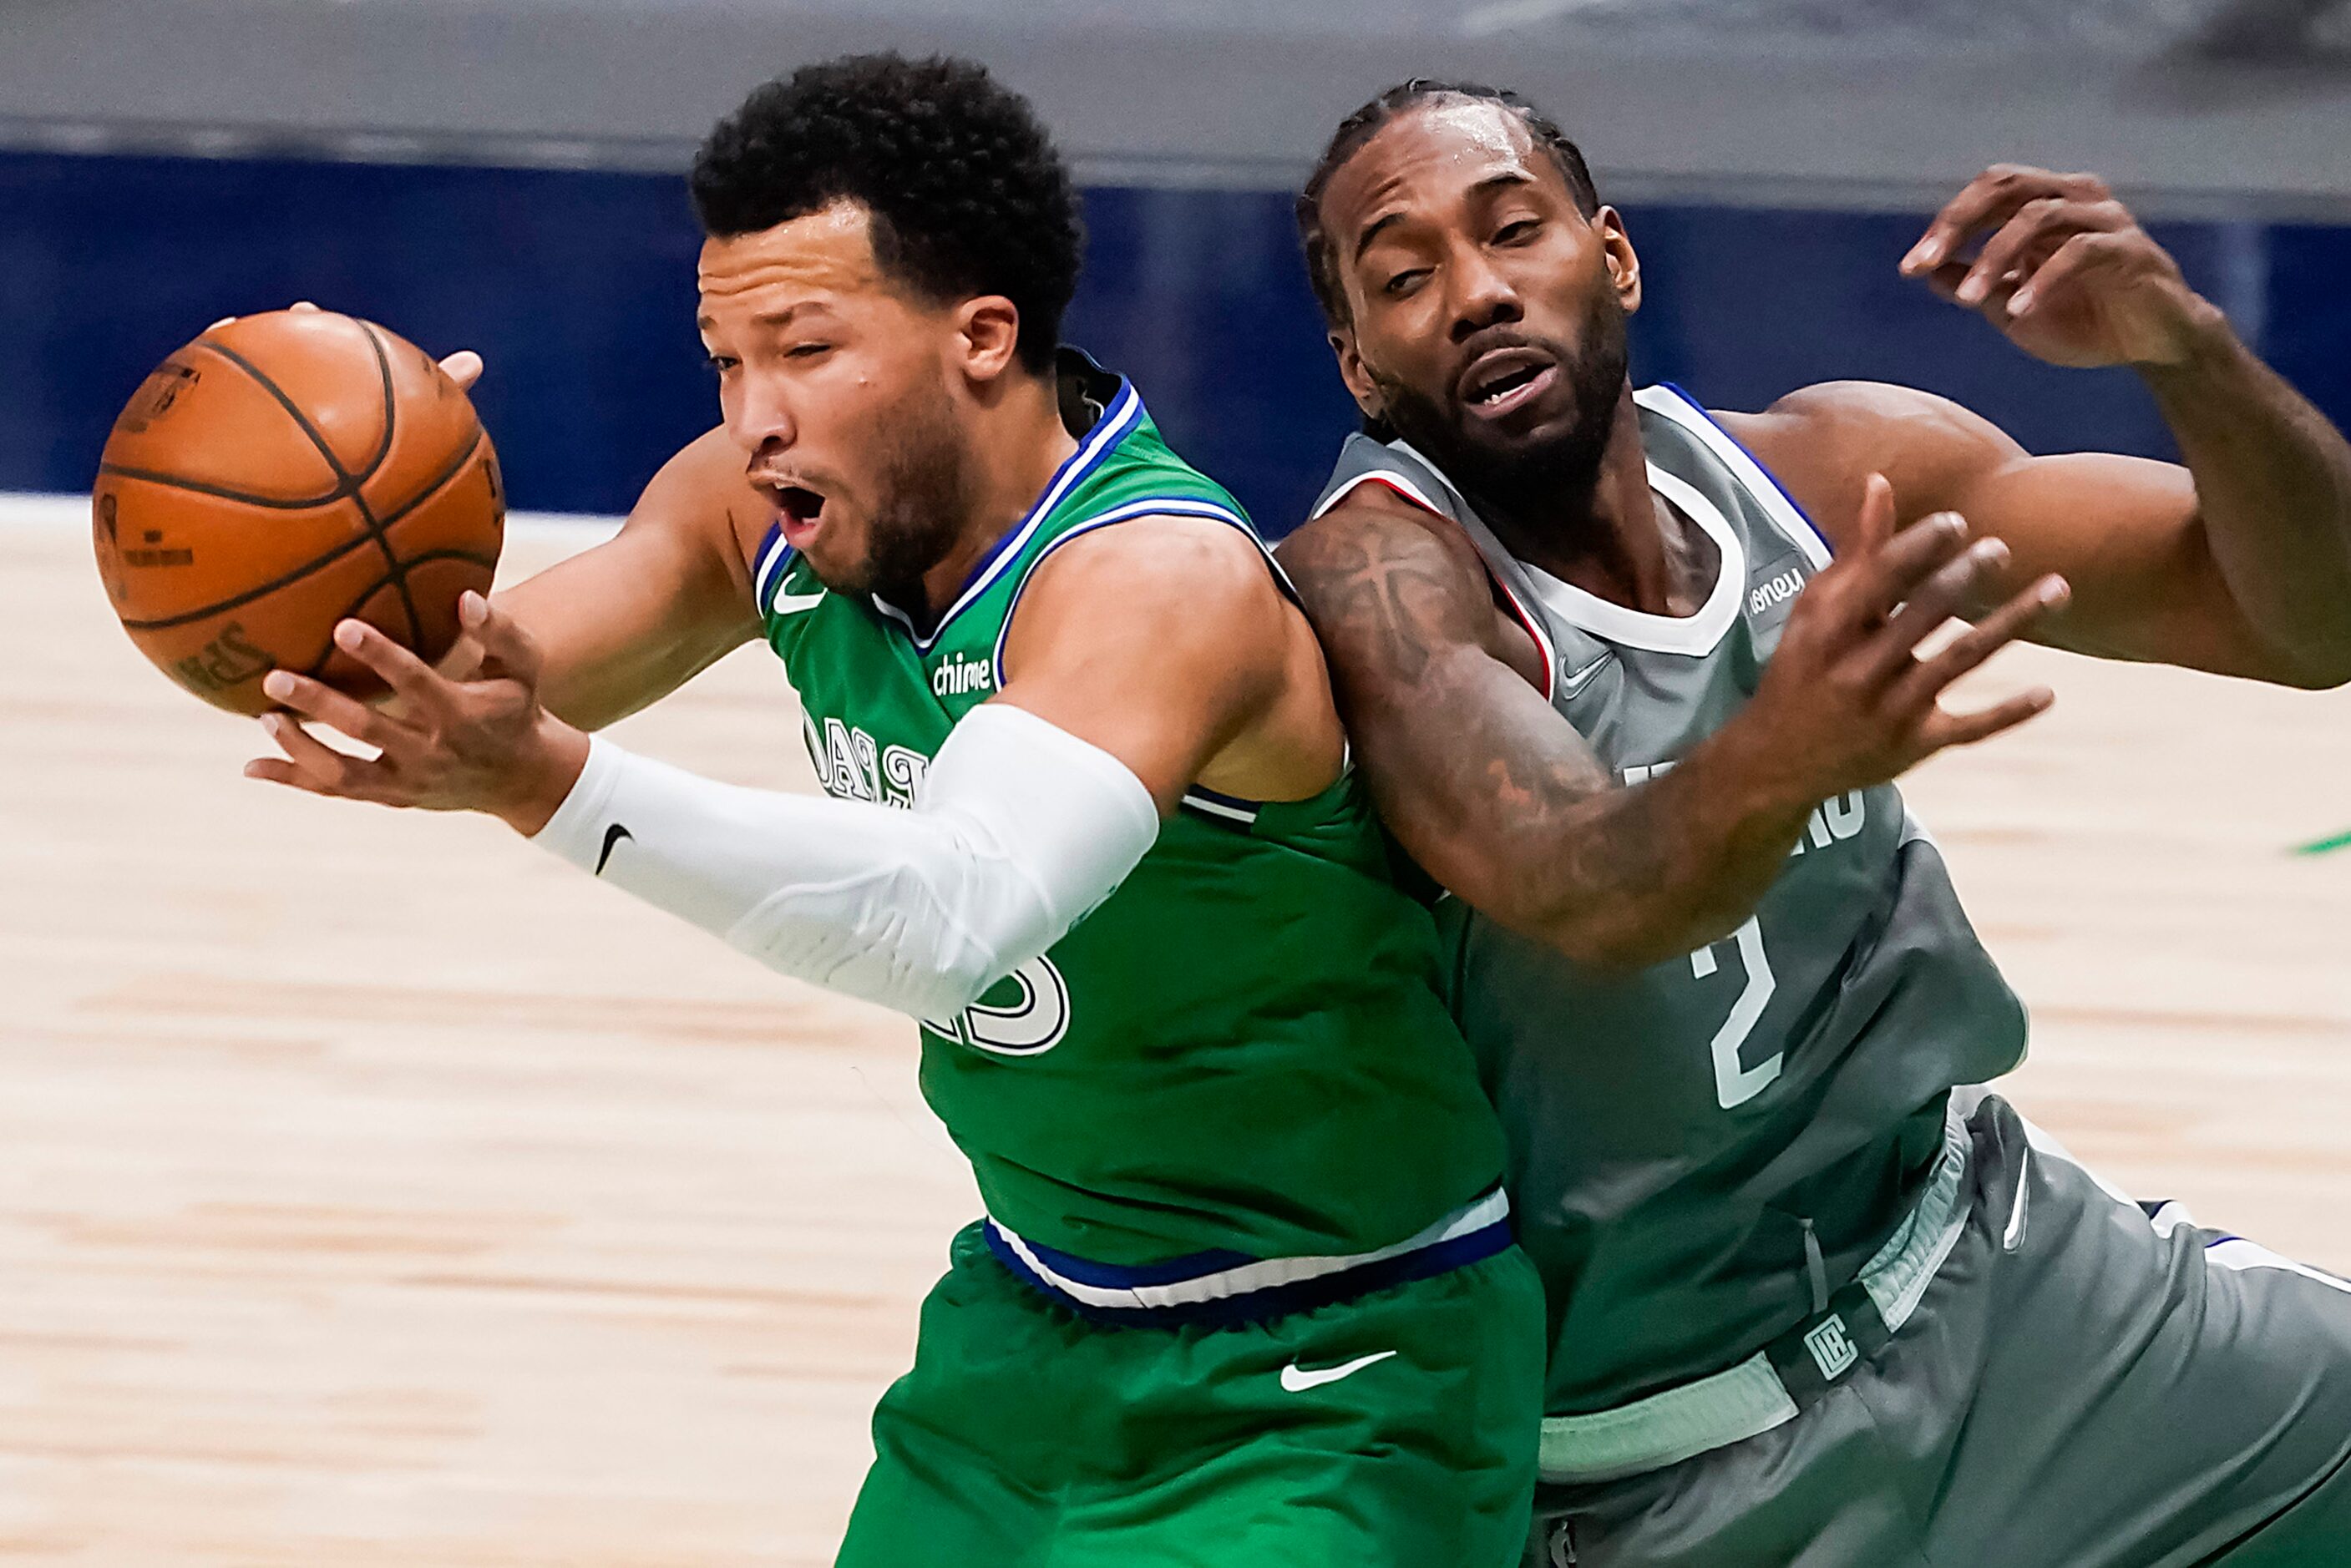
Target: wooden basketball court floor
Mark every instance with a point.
(375, 1190)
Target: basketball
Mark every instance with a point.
(279, 474)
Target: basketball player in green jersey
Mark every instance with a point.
(1245, 1291)
(1629, 679)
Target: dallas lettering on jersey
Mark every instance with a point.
(1831, 822)
(850, 767)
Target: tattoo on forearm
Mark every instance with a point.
(1583, 836)
(1533, 817)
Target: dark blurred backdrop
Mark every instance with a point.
(578, 286)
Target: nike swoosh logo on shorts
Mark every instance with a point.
(1571, 685)
(792, 604)
(612, 836)
(1296, 1379)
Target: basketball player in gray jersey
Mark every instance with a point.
(1633, 681)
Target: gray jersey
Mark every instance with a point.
(1695, 1147)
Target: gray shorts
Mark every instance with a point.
(2080, 1383)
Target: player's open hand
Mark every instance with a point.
(1847, 699)
(2062, 268)
(481, 744)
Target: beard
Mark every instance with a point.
(1519, 476)
(922, 496)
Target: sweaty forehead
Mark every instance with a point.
(824, 254)
(1426, 156)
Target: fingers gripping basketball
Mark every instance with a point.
(280, 474)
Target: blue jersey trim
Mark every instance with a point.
(1118, 421)
(1780, 490)
(1280, 1300)
(1114, 1276)
(769, 562)
(1151, 506)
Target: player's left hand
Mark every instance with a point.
(464, 366)
(2065, 270)
(479, 744)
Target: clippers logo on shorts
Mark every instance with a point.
(1833, 1349)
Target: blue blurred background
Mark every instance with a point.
(578, 287)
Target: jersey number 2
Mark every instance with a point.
(1735, 1084)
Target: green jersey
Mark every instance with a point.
(1242, 1052)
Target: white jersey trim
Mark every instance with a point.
(1269, 1274)
(1158, 506)
(772, 558)
(2233, 1253)
(1756, 479)
(1693, 635)
(1117, 423)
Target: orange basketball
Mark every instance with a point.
(279, 474)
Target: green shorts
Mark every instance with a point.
(1030, 1436)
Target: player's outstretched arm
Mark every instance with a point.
(1501, 801)
(1143, 658)
(631, 620)
(2239, 563)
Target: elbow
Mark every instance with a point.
(2306, 653)
(2322, 677)
(927, 984)
(948, 989)
(2310, 671)
(891, 937)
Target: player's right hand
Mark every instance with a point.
(1848, 701)
(482, 744)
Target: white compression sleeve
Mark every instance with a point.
(1018, 829)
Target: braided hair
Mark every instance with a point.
(1321, 264)
(965, 193)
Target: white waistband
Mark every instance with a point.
(1749, 1398)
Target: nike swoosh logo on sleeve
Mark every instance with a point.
(613, 835)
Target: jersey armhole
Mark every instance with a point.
(1387, 481)
(1404, 487)
(1228, 810)
(1127, 512)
